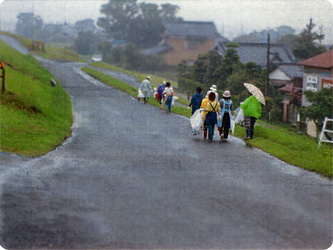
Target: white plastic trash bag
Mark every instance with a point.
(233, 125)
(174, 98)
(140, 94)
(196, 122)
(240, 117)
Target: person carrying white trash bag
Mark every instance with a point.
(196, 122)
(145, 90)
(140, 95)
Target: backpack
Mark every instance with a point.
(161, 89)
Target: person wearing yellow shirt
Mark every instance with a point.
(209, 116)
(203, 106)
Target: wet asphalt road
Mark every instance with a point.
(132, 176)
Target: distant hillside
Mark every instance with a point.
(261, 37)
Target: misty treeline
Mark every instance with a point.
(126, 27)
(33, 27)
(131, 27)
(304, 45)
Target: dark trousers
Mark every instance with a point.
(225, 125)
(250, 130)
(210, 131)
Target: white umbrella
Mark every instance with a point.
(256, 92)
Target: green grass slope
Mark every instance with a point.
(296, 149)
(35, 117)
(52, 51)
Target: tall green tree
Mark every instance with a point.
(84, 25)
(230, 64)
(119, 15)
(139, 24)
(322, 105)
(305, 43)
(85, 43)
(29, 26)
(203, 69)
(183, 70)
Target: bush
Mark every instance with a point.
(130, 58)
(187, 85)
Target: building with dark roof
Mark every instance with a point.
(288, 77)
(185, 40)
(284, 74)
(257, 53)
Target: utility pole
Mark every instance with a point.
(321, 33)
(267, 66)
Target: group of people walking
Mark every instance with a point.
(164, 93)
(214, 111)
(219, 113)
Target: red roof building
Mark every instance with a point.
(324, 61)
(318, 73)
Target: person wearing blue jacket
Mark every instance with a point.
(196, 100)
(160, 91)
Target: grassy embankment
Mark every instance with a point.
(130, 89)
(51, 50)
(35, 117)
(291, 147)
(156, 80)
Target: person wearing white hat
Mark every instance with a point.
(214, 89)
(224, 123)
(146, 89)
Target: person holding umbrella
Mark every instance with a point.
(252, 108)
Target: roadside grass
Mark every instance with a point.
(130, 89)
(156, 80)
(283, 143)
(60, 54)
(35, 117)
(296, 149)
(52, 51)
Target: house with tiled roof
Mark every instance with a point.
(317, 74)
(285, 73)
(257, 53)
(288, 77)
(185, 40)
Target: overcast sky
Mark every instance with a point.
(231, 17)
